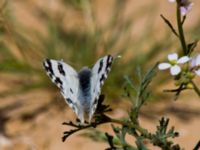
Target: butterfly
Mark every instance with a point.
(81, 89)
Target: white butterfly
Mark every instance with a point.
(81, 90)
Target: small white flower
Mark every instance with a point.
(195, 64)
(172, 1)
(175, 69)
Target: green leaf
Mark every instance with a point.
(140, 144)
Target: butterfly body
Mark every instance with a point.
(81, 90)
(85, 94)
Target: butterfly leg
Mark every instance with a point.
(91, 113)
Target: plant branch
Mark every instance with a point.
(180, 29)
(97, 123)
(170, 25)
(197, 146)
(196, 89)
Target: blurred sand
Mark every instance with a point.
(33, 120)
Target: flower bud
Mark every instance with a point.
(189, 86)
(177, 83)
(185, 67)
(190, 75)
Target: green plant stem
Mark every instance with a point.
(135, 126)
(180, 29)
(196, 89)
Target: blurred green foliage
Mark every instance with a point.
(22, 49)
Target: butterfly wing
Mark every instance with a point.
(66, 78)
(99, 73)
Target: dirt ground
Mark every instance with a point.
(33, 121)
